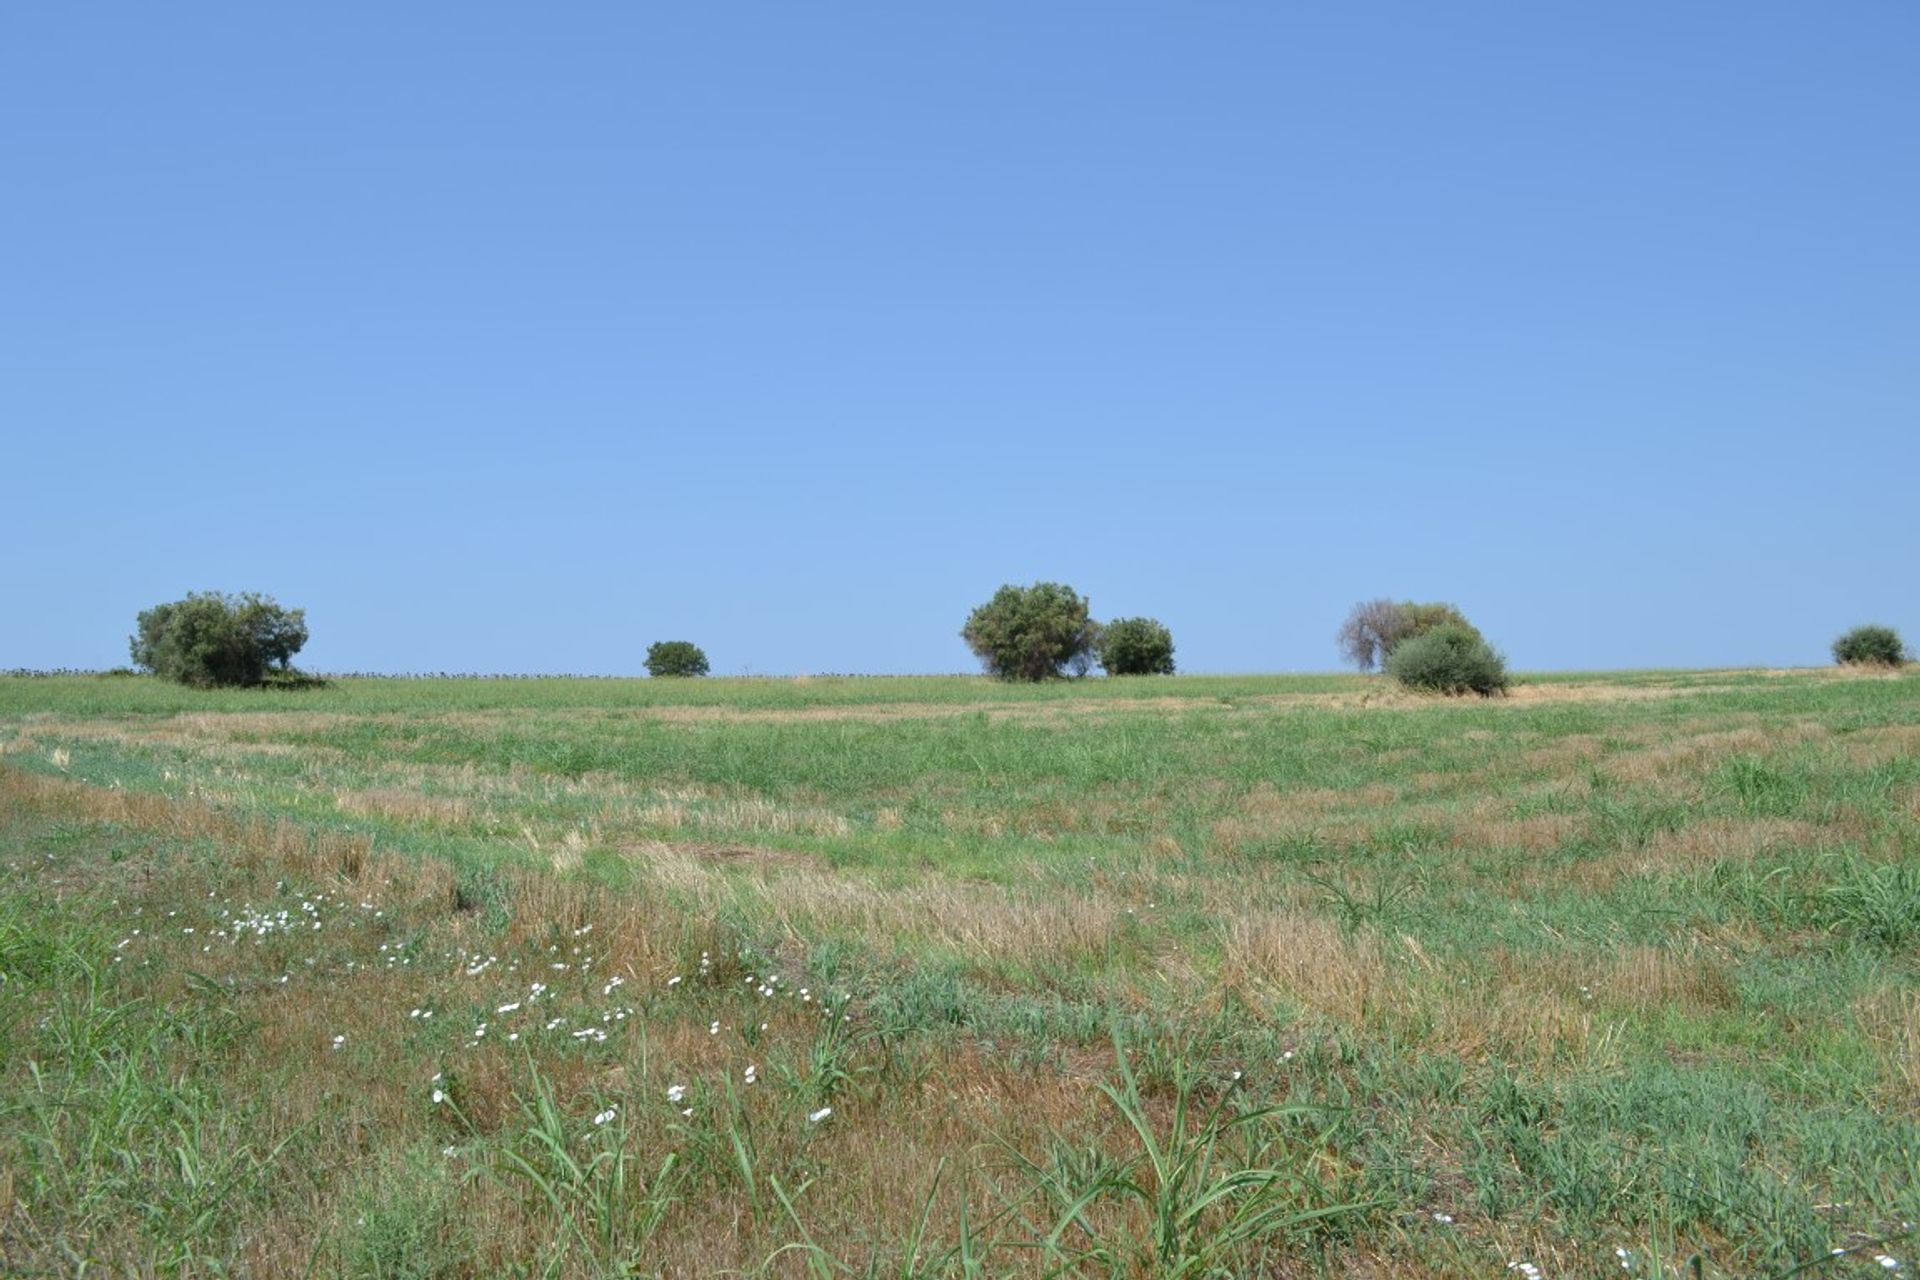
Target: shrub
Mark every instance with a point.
(1030, 633)
(676, 658)
(1449, 659)
(1135, 647)
(1870, 646)
(211, 639)
(1376, 628)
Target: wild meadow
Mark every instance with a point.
(1156, 977)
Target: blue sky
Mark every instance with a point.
(516, 337)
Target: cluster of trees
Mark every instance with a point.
(1039, 632)
(1424, 646)
(1048, 630)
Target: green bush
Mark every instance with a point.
(1449, 659)
(1870, 647)
(214, 640)
(1031, 633)
(676, 658)
(1135, 647)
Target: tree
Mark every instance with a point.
(277, 633)
(1030, 633)
(210, 639)
(1870, 647)
(1376, 628)
(1449, 659)
(676, 658)
(1370, 632)
(1135, 647)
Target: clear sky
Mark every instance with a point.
(516, 337)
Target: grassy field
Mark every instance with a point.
(1251, 976)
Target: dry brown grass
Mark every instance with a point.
(1521, 1023)
(1883, 743)
(743, 814)
(1691, 979)
(1891, 1019)
(1265, 813)
(1308, 962)
(978, 922)
(407, 806)
(1714, 840)
(1536, 833)
(1696, 847)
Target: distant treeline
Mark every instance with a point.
(582, 675)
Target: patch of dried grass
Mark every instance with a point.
(980, 922)
(1308, 961)
(1690, 979)
(1536, 832)
(406, 806)
(1715, 840)
(1892, 1020)
(1883, 744)
(750, 814)
(1518, 1021)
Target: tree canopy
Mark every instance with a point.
(1031, 633)
(1136, 647)
(211, 639)
(676, 658)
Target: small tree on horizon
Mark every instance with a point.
(1870, 646)
(1135, 647)
(675, 659)
(212, 640)
(1031, 633)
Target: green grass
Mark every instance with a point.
(1623, 962)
